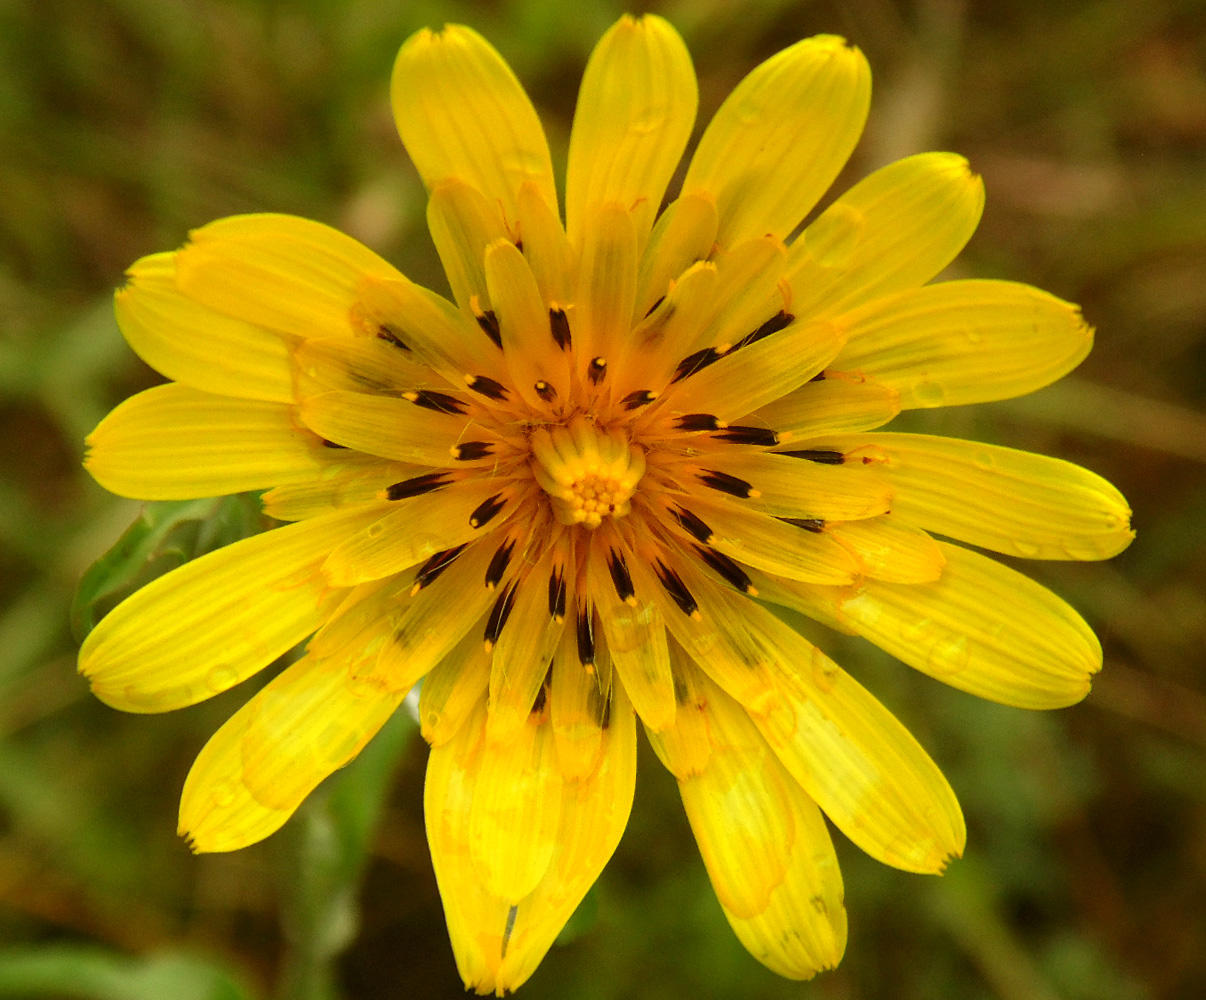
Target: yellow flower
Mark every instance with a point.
(556, 500)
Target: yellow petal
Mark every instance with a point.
(796, 487)
(386, 426)
(256, 770)
(453, 689)
(635, 110)
(213, 622)
(278, 271)
(766, 848)
(606, 285)
(685, 747)
(197, 346)
(888, 548)
(857, 762)
(548, 252)
(781, 136)
(360, 481)
(497, 945)
(173, 442)
(359, 364)
(981, 627)
(524, 651)
(895, 229)
(463, 223)
(998, 498)
(578, 706)
(683, 234)
(532, 355)
(513, 823)
(775, 546)
(462, 113)
(835, 404)
(965, 342)
(760, 372)
(413, 530)
(636, 635)
(717, 636)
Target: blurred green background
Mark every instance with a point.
(124, 123)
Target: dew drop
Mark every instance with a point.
(221, 677)
(375, 529)
(1028, 549)
(833, 238)
(223, 795)
(983, 460)
(915, 631)
(929, 394)
(949, 655)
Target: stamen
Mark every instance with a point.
(434, 567)
(332, 444)
(693, 525)
(545, 391)
(488, 321)
(499, 562)
(597, 370)
(488, 387)
(695, 362)
(560, 328)
(557, 595)
(759, 437)
(635, 400)
(620, 577)
(499, 615)
(441, 402)
(417, 486)
(727, 484)
(588, 473)
(485, 511)
(824, 457)
(697, 422)
(728, 569)
(650, 311)
(813, 524)
(776, 323)
(391, 335)
(678, 590)
(585, 631)
(471, 451)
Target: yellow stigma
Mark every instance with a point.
(588, 473)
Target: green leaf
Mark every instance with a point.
(167, 535)
(95, 974)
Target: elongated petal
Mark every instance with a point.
(833, 405)
(497, 945)
(965, 342)
(553, 262)
(278, 271)
(463, 223)
(578, 706)
(635, 110)
(797, 487)
(173, 442)
(893, 230)
(453, 688)
(683, 234)
(360, 481)
(462, 113)
(888, 548)
(856, 761)
(685, 747)
(981, 627)
(781, 136)
(766, 848)
(414, 530)
(195, 345)
(760, 372)
(606, 285)
(999, 498)
(213, 622)
(385, 426)
(256, 770)
(359, 364)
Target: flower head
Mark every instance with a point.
(565, 500)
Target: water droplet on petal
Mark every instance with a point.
(929, 394)
(223, 795)
(221, 677)
(949, 655)
(1028, 549)
(833, 238)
